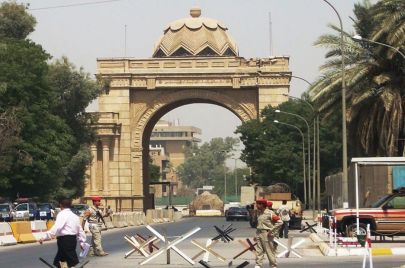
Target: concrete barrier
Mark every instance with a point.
(6, 235)
(38, 229)
(123, 218)
(22, 232)
(149, 216)
(165, 215)
(116, 220)
(49, 224)
(131, 218)
(142, 218)
(108, 222)
(177, 216)
(211, 212)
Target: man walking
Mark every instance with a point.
(267, 224)
(67, 230)
(95, 218)
(284, 213)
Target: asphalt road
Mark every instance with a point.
(27, 255)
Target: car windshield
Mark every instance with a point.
(4, 208)
(80, 207)
(234, 209)
(44, 207)
(21, 207)
(380, 201)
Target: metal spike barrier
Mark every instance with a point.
(223, 233)
(206, 249)
(170, 245)
(248, 246)
(139, 246)
(309, 227)
(289, 249)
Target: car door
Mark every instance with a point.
(394, 215)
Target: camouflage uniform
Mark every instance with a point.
(266, 225)
(95, 226)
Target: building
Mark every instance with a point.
(194, 61)
(167, 150)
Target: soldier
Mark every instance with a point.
(267, 227)
(95, 218)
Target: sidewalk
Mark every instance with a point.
(378, 248)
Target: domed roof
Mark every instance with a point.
(195, 36)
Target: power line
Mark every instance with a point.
(75, 5)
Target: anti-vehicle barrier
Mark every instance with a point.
(130, 218)
(6, 235)
(177, 216)
(38, 229)
(22, 232)
(108, 222)
(49, 224)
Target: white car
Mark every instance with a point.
(26, 211)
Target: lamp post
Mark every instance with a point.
(303, 147)
(345, 188)
(236, 178)
(316, 141)
(309, 156)
(360, 38)
(316, 144)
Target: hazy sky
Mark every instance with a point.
(85, 33)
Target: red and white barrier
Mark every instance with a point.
(6, 235)
(38, 229)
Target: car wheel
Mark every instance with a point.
(351, 230)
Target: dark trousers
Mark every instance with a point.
(66, 251)
(284, 229)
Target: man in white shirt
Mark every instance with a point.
(284, 212)
(67, 230)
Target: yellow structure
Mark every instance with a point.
(166, 148)
(195, 61)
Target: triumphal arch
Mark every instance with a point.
(194, 61)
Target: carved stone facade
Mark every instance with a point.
(143, 90)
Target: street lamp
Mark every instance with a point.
(360, 38)
(345, 188)
(236, 178)
(316, 144)
(303, 151)
(309, 155)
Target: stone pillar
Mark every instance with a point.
(106, 168)
(93, 171)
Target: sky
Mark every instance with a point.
(87, 32)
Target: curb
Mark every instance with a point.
(387, 251)
(328, 251)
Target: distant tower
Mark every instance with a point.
(270, 36)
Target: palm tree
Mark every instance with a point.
(375, 80)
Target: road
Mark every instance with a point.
(27, 255)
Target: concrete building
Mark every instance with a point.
(166, 148)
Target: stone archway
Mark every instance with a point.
(195, 61)
(162, 102)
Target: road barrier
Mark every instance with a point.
(6, 235)
(130, 216)
(22, 232)
(211, 212)
(38, 229)
(108, 222)
(49, 224)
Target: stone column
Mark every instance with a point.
(93, 170)
(106, 162)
